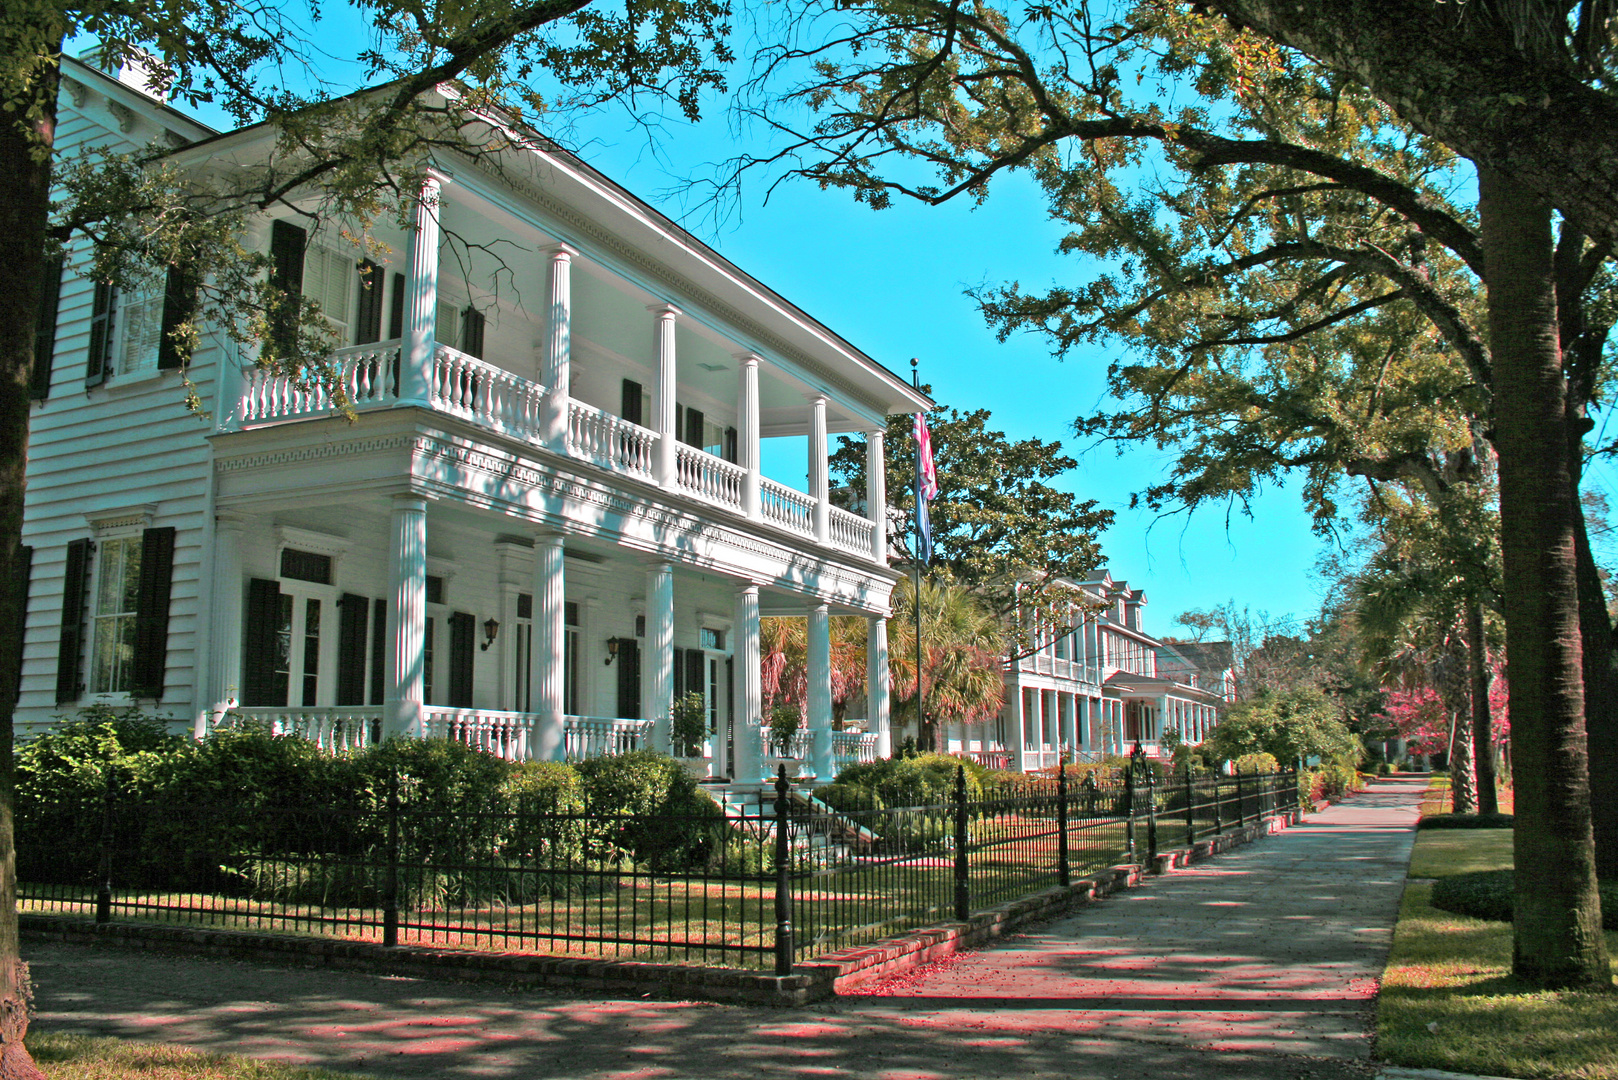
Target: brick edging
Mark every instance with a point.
(812, 980)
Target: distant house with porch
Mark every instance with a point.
(546, 521)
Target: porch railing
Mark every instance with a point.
(709, 478)
(503, 734)
(334, 728)
(851, 533)
(793, 510)
(609, 441)
(367, 373)
(853, 747)
(594, 736)
(487, 395)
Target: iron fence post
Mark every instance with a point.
(783, 873)
(1190, 817)
(1218, 804)
(1129, 803)
(963, 882)
(1064, 872)
(390, 880)
(1151, 812)
(1241, 803)
(104, 886)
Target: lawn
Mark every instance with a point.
(79, 1057)
(1448, 998)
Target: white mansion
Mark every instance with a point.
(547, 520)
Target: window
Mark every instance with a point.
(116, 595)
(570, 659)
(117, 591)
(522, 668)
(294, 637)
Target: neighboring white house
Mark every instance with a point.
(546, 522)
(1099, 685)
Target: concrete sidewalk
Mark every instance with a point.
(1261, 963)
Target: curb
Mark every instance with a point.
(813, 980)
(1394, 1072)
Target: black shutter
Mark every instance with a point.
(368, 318)
(259, 635)
(472, 323)
(679, 673)
(179, 305)
(379, 649)
(693, 428)
(695, 661)
(462, 628)
(50, 303)
(396, 316)
(25, 574)
(287, 243)
(628, 679)
(103, 310)
(730, 445)
(70, 649)
(152, 612)
(631, 402)
(353, 613)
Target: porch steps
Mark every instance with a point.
(831, 832)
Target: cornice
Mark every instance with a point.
(298, 454)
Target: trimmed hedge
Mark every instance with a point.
(1466, 821)
(1487, 894)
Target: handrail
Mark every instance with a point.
(710, 478)
(487, 395)
(851, 533)
(610, 441)
(785, 507)
(334, 728)
(367, 373)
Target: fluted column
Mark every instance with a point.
(749, 688)
(1067, 707)
(416, 354)
(878, 702)
(824, 760)
(407, 618)
(819, 473)
(548, 641)
(1015, 729)
(876, 494)
(658, 671)
(667, 378)
(747, 455)
(555, 369)
(225, 622)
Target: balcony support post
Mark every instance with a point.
(407, 618)
(876, 494)
(421, 313)
(225, 622)
(747, 455)
(819, 471)
(749, 688)
(658, 702)
(876, 685)
(1015, 702)
(547, 663)
(667, 378)
(556, 363)
(822, 758)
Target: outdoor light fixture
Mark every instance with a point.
(612, 650)
(491, 629)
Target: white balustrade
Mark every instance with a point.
(503, 734)
(334, 728)
(853, 747)
(790, 509)
(368, 374)
(487, 395)
(594, 736)
(609, 441)
(796, 746)
(851, 533)
(709, 478)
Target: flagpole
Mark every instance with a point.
(916, 604)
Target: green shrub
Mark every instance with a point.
(1487, 894)
(1466, 821)
(689, 724)
(655, 811)
(850, 798)
(1338, 780)
(1259, 762)
(923, 780)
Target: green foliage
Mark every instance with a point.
(849, 796)
(661, 818)
(923, 780)
(963, 654)
(1301, 722)
(1259, 762)
(1489, 894)
(786, 720)
(690, 724)
(1466, 821)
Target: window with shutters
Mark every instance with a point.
(330, 279)
(572, 679)
(116, 592)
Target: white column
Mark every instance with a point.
(1019, 742)
(224, 622)
(555, 370)
(747, 455)
(877, 699)
(1067, 709)
(407, 619)
(658, 670)
(749, 689)
(416, 353)
(876, 495)
(824, 760)
(667, 376)
(547, 649)
(819, 471)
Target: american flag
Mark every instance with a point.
(926, 489)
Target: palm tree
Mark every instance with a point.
(962, 662)
(784, 646)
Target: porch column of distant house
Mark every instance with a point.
(407, 619)
(1164, 707)
(747, 434)
(1015, 718)
(819, 471)
(749, 688)
(878, 718)
(667, 440)
(1068, 709)
(824, 760)
(225, 622)
(421, 312)
(659, 663)
(547, 664)
(876, 494)
(555, 369)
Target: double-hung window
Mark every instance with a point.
(115, 612)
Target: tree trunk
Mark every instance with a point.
(1462, 785)
(1477, 651)
(1557, 927)
(25, 152)
(1600, 703)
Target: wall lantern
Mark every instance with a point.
(612, 650)
(491, 630)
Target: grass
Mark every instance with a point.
(63, 1056)
(1449, 1000)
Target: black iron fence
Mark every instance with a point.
(757, 886)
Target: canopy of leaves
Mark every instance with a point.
(1295, 723)
(963, 646)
